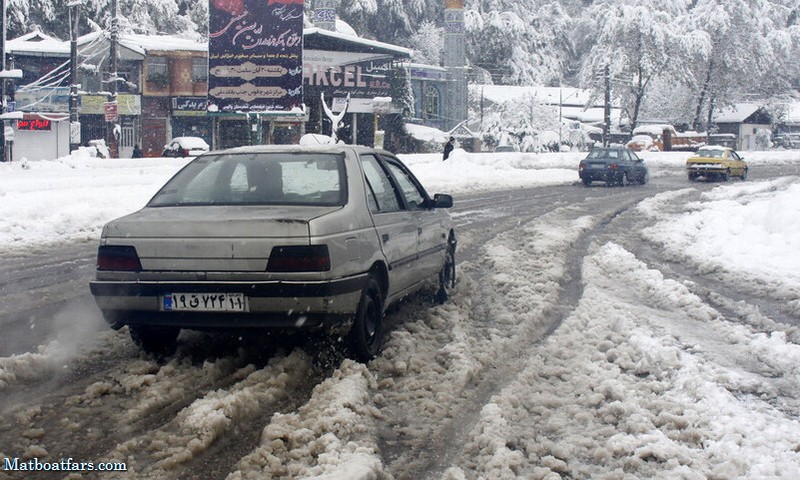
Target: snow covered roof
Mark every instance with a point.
(791, 114)
(167, 43)
(329, 40)
(37, 43)
(345, 39)
(736, 113)
(424, 66)
(546, 95)
(426, 134)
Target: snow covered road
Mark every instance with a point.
(599, 333)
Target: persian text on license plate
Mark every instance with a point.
(204, 302)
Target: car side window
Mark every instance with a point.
(381, 193)
(415, 198)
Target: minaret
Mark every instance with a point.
(325, 14)
(455, 61)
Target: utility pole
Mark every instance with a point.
(112, 116)
(3, 81)
(607, 106)
(74, 121)
(4, 75)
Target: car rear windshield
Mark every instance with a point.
(284, 178)
(710, 152)
(603, 153)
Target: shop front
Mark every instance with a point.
(190, 118)
(257, 129)
(95, 127)
(39, 137)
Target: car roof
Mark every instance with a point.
(714, 147)
(324, 148)
(190, 142)
(608, 148)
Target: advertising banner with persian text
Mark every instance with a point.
(255, 56)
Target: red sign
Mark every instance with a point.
(110, 110)
(34, 125)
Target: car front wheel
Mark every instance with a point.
(155, 340)
(366, 334)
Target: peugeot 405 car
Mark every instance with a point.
(276, 237)
(715, 162)
(614, 166)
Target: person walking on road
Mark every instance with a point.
(448, 147)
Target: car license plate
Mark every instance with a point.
(204, 302)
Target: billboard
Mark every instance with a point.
(255, 56)
(362, 76)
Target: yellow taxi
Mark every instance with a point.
(715, 162)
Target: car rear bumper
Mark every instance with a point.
(603, 174)
(280, 304)
(706, 169)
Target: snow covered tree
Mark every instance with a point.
(142, 16)
(635, 43)
(427, 44)
(522, 45)
(738, 55)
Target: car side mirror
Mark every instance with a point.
(441, 200)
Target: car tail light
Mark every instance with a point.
(118, 257)
(581, 166)
(185, 152)
(302, 258)
(613, 166)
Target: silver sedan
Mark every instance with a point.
(284, 237)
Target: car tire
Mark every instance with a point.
(447, 275)
(586, 182)
(645, 178)
(155, 340)
(726, 176)
(366, 334)
(692, 177)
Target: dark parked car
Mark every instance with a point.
(614, 166)
(280, 237)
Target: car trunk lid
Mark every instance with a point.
(215, 238)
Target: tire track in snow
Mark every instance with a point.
(494, 311)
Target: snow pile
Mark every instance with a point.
(616, 395)
(744, 229)
(330, 437)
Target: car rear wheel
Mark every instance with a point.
(155, 340)
(366, 334)
(447, 276)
